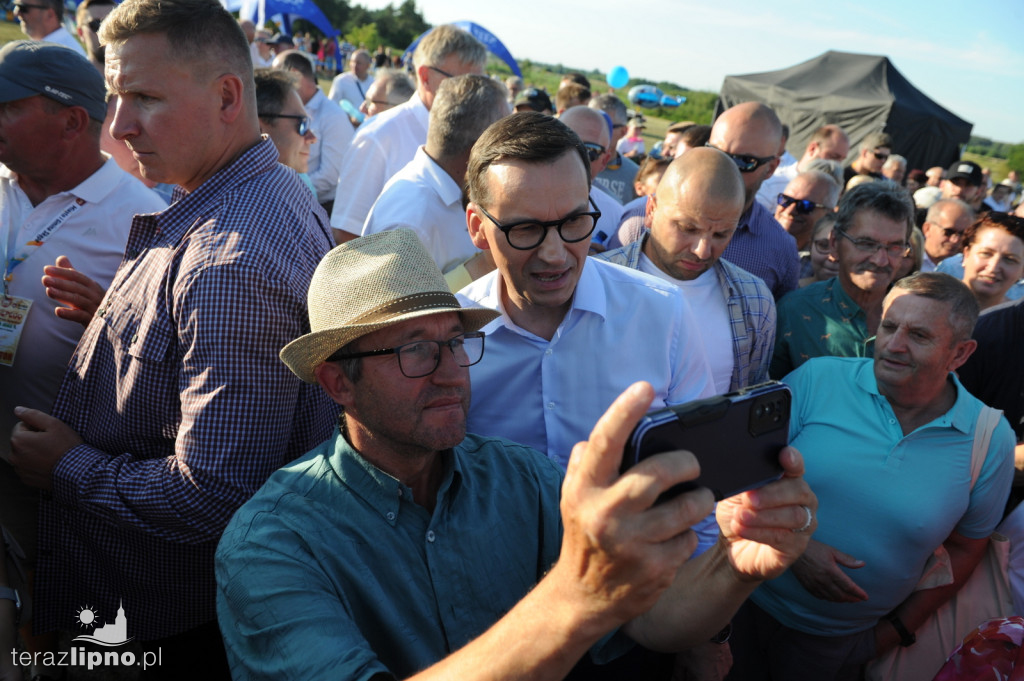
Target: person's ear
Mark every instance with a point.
(475, 225)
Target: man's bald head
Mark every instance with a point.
(694, 213)
(592, 127)
(745, 131)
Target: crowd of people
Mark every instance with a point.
(337, 385)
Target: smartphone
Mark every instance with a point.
(736, 437)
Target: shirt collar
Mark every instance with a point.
(960, 416)
(447, 189)
(189, 208)
(381, 491)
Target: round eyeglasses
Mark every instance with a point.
(421, 358)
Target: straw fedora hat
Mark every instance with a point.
(367, 284)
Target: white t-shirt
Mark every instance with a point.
(346, 86)
(709, 308)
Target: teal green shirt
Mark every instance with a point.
(331, 571)
(819, 320)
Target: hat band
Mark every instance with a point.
(407, 304)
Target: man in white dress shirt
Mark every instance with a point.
(353, 85)
(426, 195)
(328, 122)
(43, 20)
(386, 142)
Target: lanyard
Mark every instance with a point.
(12, 257)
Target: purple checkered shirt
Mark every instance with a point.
(762, 247)
(184, 406)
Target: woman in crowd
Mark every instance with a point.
(993, 256)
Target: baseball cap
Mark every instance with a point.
(968, 170)
(536, 99)
(30, 67)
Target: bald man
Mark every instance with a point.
(750, 134)
(803, 202)
(692, 218)
(592, 128)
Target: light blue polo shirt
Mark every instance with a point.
(885, 498)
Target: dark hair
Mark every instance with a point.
(272, 89)
(651, 166)
(299, 62)
(571, 94)
(1010, 223)
(528, 136)
(963, 306)
(695, 136)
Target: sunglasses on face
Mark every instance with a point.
(303, 126)
(745, 162)
(804, 206)
(594, 150)
(880, 157)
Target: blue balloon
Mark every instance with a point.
(618, 77)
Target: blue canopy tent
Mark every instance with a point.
(496, 47)
(258, 11)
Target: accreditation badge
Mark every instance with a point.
(13, 313)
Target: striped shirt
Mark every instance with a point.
(184, 407)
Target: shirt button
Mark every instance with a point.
(892, 420)
(430, 536)
(551, 405)
(135, 337)
(100, 312)
(391, 515)
(548, 351)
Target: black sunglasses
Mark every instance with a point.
(94, 25)
(22, 6)
(745, 162)
(804, 206)
(303, 126)
(594, 150)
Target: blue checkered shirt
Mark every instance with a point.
(751, 311)
(760, 246)
(184, 406)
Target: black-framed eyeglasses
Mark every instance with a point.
(303, 126)
(950, 232)
(22, 6)
(421, 358)
(745, 162)
(530, 233)
(805, 206)
(822, 245)
(441, 71)
(594, 150)
(871, 246)
(880, 157)
(94, 25)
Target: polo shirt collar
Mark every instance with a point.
(446, 187)
(962, 416)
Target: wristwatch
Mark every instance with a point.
(9, 594)
(907, 639)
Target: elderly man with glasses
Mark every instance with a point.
(751, 134)
(839, 317)
(385, 143)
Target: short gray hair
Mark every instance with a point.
(447, 40)
(963, 306)
(882, 196)
(833, 169)
(396, 84)
(465, 106)
(612, 106)
(936, 209)
(832, 193)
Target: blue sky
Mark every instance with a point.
(967, 56)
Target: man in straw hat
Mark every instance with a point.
(403, 538)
